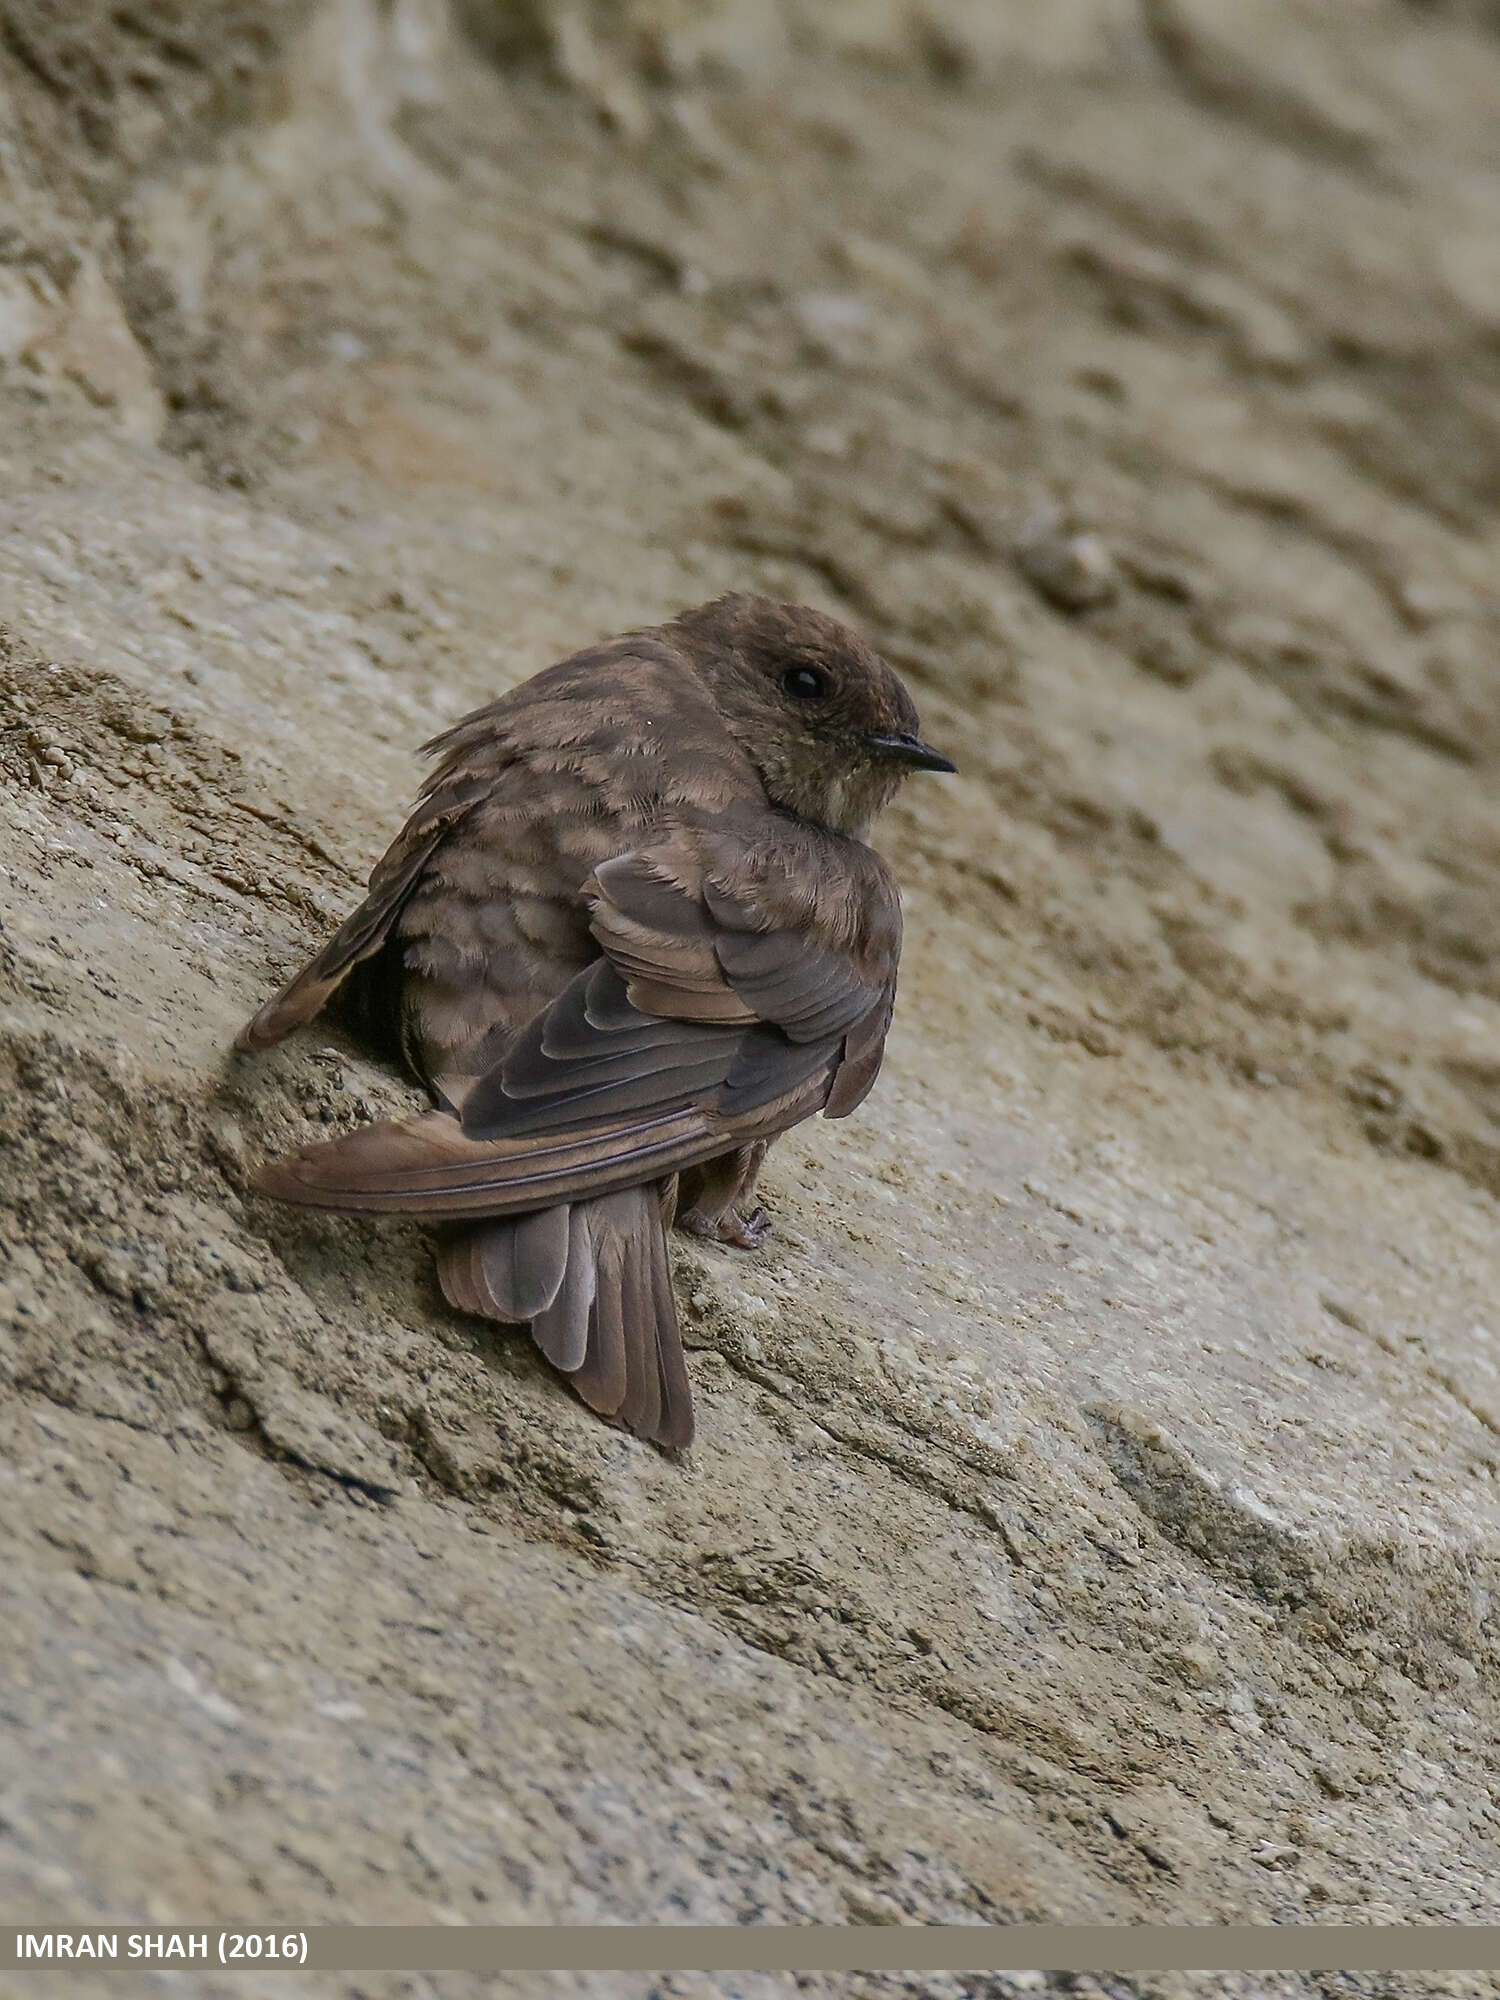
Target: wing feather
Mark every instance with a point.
(704, 1026)
(363, 932)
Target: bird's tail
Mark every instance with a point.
(592, 1281)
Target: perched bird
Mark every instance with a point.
(630, 933)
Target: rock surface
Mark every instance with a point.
(1095, 1510)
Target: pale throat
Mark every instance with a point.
(846, 802)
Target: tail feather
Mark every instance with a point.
(562, 1331)
(674, 1427)
(460, 1272)
(525, 1260)
(640, 1409)
(594, 1282)
(510, 1269)
(604, 1379)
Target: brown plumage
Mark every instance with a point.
(629, 934)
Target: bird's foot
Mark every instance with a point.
(743, 1232)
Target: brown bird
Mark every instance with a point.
(629, 934)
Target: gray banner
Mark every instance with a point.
(792, 1948)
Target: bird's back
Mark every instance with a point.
(534, 792)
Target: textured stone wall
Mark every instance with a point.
(1094, 1512)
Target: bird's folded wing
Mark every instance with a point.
(697, 1000)
(427, 1166)
(363, 933)
(696, 1031)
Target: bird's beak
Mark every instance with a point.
(912, 751)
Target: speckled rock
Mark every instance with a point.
(1094, 1514)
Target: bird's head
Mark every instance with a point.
(828, 724)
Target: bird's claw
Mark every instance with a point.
(743, 1232)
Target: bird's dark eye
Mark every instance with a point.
(806, 683)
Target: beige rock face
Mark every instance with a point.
(1095, 1510)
